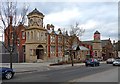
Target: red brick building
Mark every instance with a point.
(35, 43)
(101, 49)
(18, 39)
(57, 43)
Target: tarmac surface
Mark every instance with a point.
(32, 67)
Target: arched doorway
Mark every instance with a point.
(40, 52)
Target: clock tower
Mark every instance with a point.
(97, 47)
(35, 37)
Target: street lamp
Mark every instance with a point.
(11, 50)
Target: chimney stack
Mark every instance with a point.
(48, 26)
(11, 19)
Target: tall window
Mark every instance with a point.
(59, 48)
(52, 38)
(23, 47)
(52, 49)
(23, 35)
(31, 35)
(59, 39)
(95, 53)
(38, 38)
(42, 36)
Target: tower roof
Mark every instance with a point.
(35, 11)
(96, 32)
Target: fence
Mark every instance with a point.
(5, 58)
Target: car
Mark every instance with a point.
(110, 60)
(92, 62)
(100, 59)
(6, 72)
(116, 62)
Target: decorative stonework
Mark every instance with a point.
(35, 37)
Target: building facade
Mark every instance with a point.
(37, 43)
(97, 47)
(15, 38)
(43, 44)
(35, 37)
(100, 49)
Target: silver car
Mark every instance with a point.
(116, 62)
(110, 61)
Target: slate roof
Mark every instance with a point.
(87, 42)
(35, 11)
(97, 32)
(83, 48)
(104, 42)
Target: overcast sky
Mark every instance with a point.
(92, 16)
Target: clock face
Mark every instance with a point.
(31, 21)
(39, 22)
(35, 21)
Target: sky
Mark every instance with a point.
(91, 16)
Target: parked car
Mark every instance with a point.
(116, 62)
(100, 59)
(110, 60)
(6, 73)
(92, 62)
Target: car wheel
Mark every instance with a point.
(8, 75)
(86, 65)
(98, 64)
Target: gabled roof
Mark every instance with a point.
(76, 47)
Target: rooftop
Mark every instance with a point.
(96, 32)
(35, 11)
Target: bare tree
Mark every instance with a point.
(11, 17)
(75, 31)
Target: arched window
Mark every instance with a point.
(31, 35)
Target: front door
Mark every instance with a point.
(40, 52)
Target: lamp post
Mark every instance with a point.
(11, 57)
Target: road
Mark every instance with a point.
(71, 74)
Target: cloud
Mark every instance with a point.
(90, 24)
(101, 16)
(61, 17)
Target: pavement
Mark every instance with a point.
(105, 76)
(33, 67)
